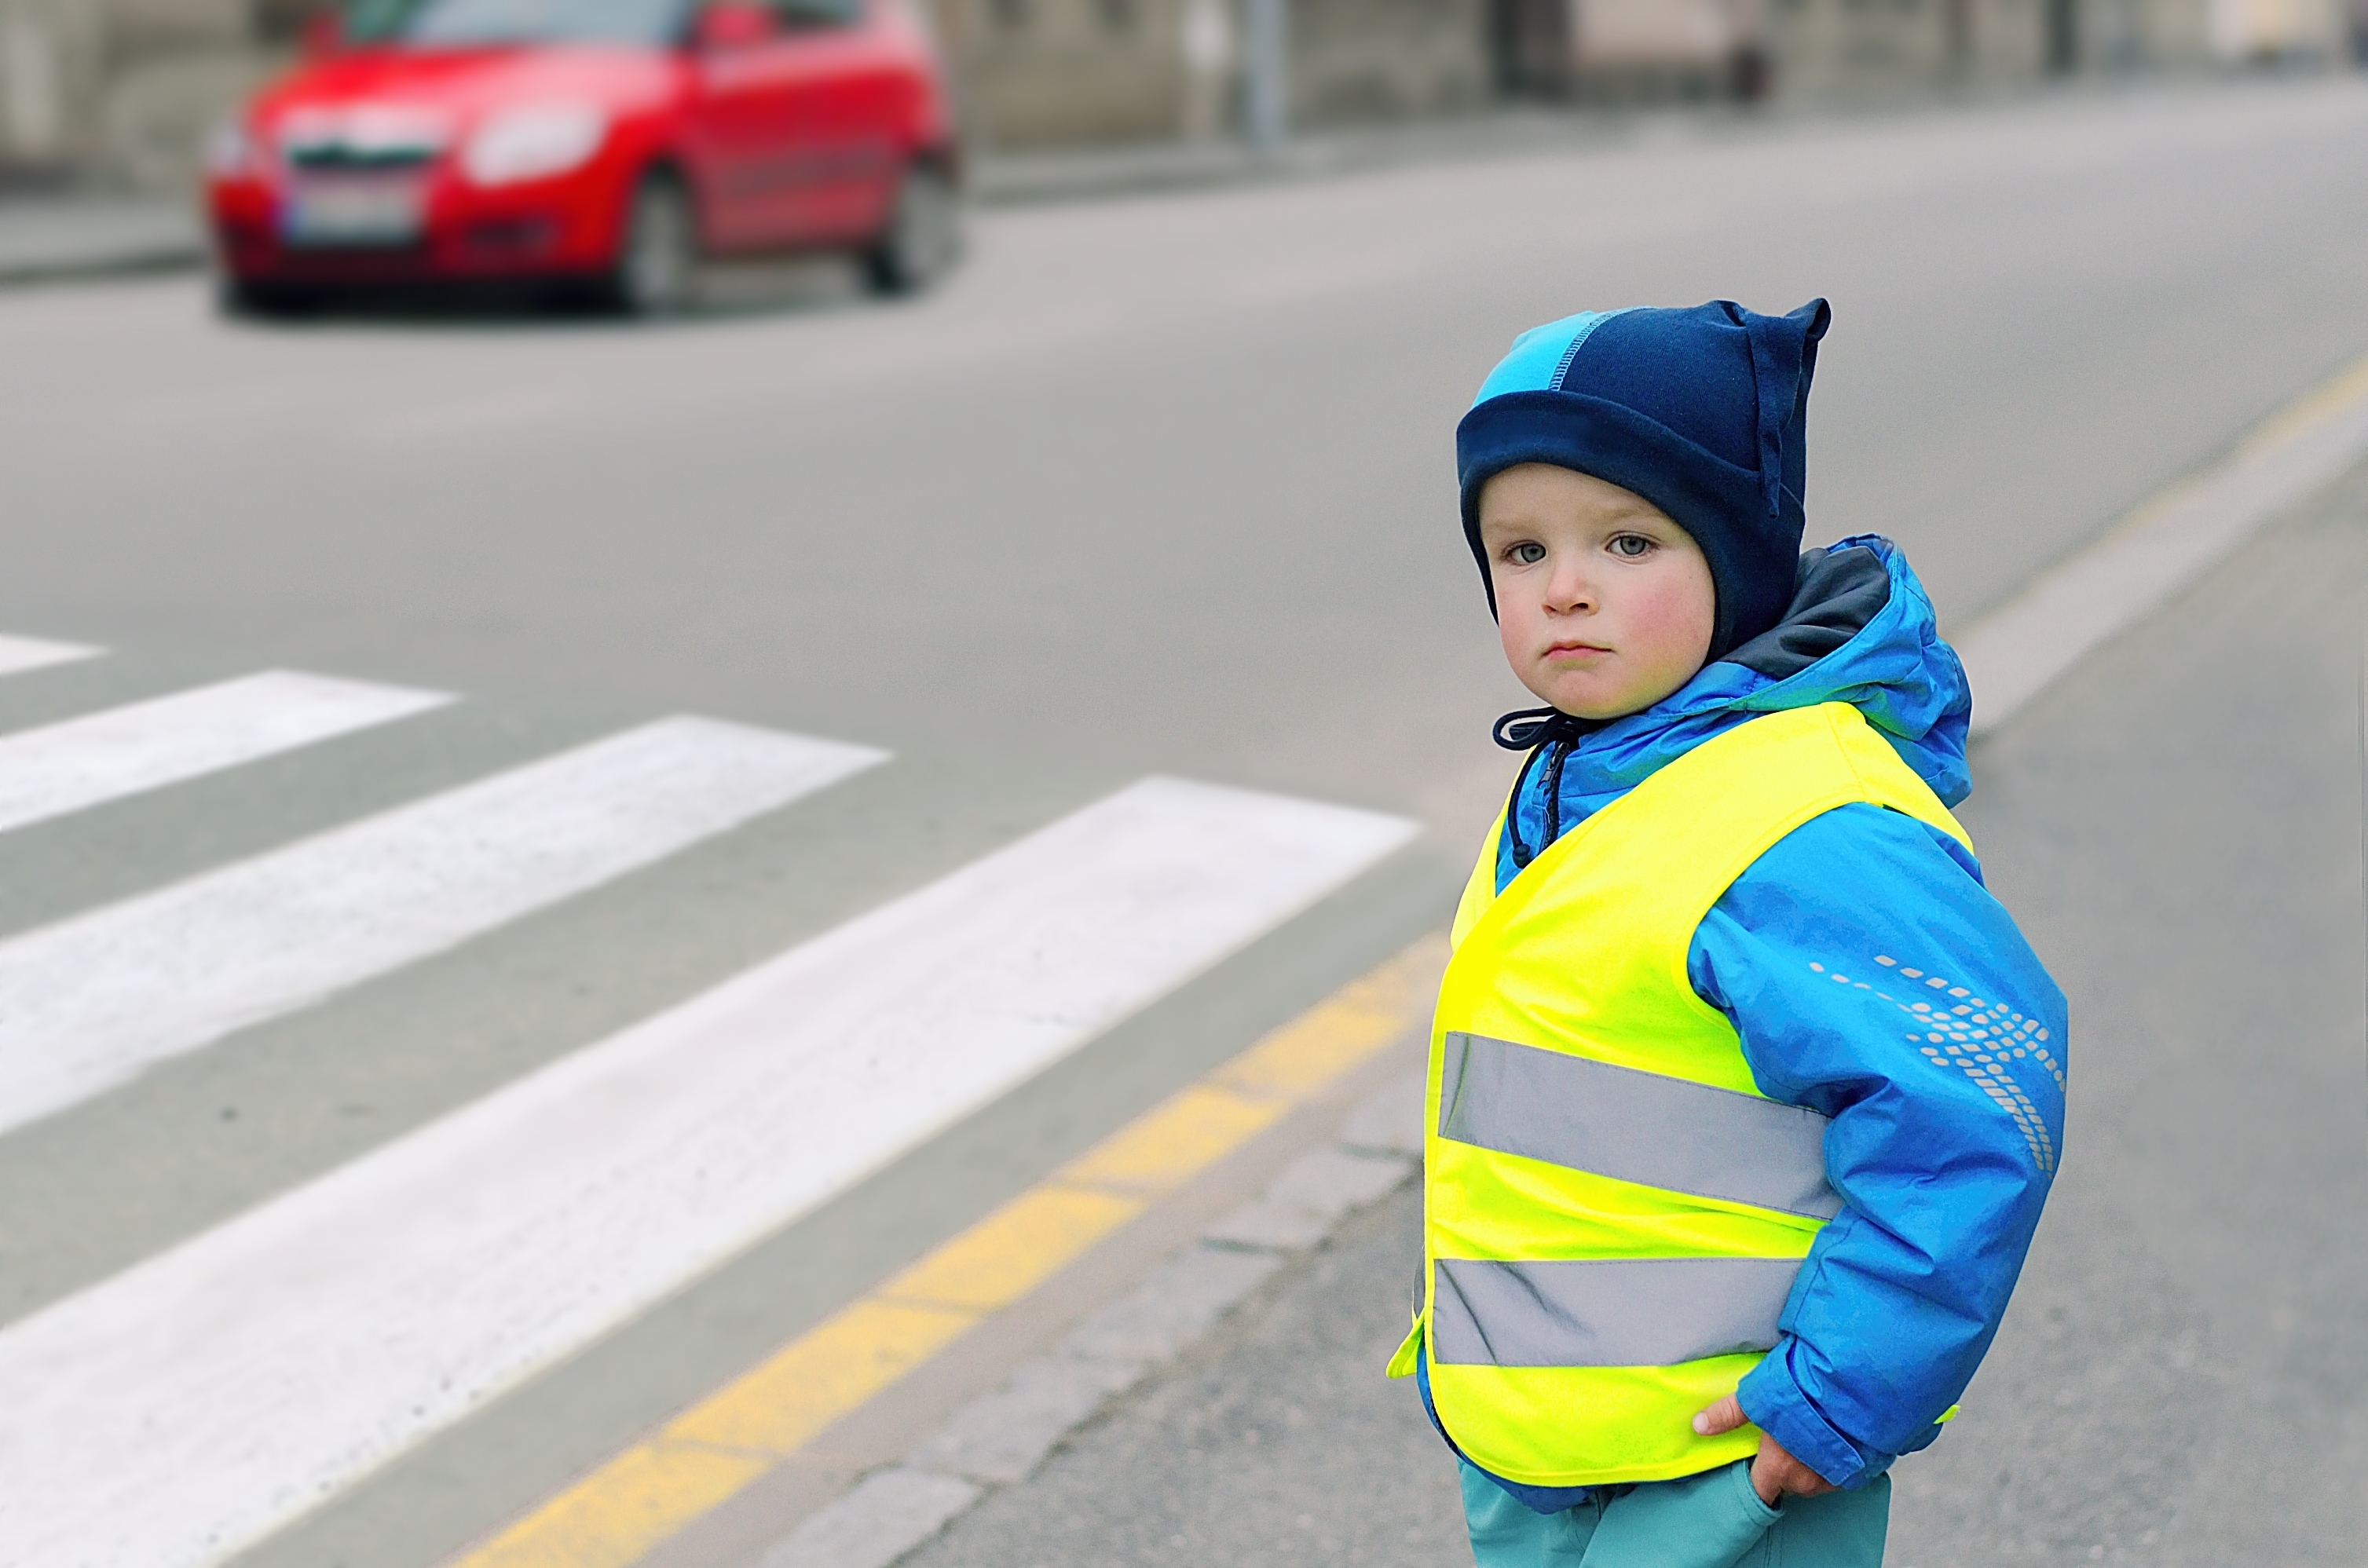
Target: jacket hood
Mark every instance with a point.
(1859, 629)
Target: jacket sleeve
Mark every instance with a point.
(1873, 979)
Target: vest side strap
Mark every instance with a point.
(1654, 1312)
(1634, 1126)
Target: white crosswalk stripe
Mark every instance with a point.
(186, 1407)
(91, 1002)
(85, 761)
(18, 655)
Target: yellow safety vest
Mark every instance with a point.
(1613, 1212)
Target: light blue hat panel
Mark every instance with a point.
(1540, 356)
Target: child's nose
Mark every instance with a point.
(1571, 593)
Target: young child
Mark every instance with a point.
(1744, 1094)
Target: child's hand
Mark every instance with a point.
(1774, 1472)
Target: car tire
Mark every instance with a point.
(656, 270)
(924, 235)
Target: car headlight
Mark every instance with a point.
(534, 142)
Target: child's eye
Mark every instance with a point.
(1631, 547)
(1529, 552)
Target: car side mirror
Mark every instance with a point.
(322, 34)
(731, 24)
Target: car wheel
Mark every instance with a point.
(924, 235)
(658, 256)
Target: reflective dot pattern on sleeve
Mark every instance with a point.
(1989, 1043)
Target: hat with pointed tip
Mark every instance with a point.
(1703, 412)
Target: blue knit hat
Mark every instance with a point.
(1703, 412)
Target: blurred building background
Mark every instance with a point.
(122, 93)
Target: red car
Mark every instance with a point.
(608, 143)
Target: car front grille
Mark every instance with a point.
(336, 157)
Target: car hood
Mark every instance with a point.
(428, 96)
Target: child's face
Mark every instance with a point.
(1605, 605)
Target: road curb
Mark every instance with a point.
(1002, 1437)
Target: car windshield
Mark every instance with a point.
(447, 24)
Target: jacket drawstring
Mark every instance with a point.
(1547, 733)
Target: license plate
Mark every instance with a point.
(352, 212)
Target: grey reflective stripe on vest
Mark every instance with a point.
(1641, 1127)
(1652, 1311)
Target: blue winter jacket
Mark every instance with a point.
(1873, 979)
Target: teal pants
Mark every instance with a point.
(1711, 1520)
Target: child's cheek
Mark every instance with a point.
(1675, 617)
(1513, 623)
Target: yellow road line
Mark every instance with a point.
(615, 1515)
(2335, 395)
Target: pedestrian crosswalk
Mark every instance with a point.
(188, 1406)
(90, 1002)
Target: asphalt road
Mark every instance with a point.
(1168, 482)
(1164, 486)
